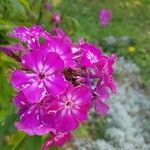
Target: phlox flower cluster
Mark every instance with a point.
(58, 82)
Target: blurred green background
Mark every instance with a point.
(127, 35)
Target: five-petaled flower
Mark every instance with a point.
(72, 107)
(35, 118)
(44, 76)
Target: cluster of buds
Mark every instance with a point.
(58, 82)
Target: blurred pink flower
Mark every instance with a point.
(47, 5)
(56, 18)
(105, 16)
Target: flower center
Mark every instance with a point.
(68, 104)
(41, 75)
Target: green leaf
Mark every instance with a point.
(7, 93)
(25, 4)
(75, 21)
(33, 142)
(82, 131)
(5, 24)
(7, 125)
(5, 147)
(16, 139)
(56, 148)
(3, 114)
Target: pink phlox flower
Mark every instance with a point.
(56, 45)
(34, 117)
(28, 35)
(77, 52)
(105, 16)
(15, 50)
(73, 106)
(44, 75)
(105, 83)
(100, 107)
(91, 54)
(76, 49)
(57, 139)
(81, 41)
(62, 35)
(47, 5)
(105, 71)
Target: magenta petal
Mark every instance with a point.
(102, 91)
(57, 139)
(34, 92)
(21, 100)
(30, 123)
(7, 50)
(62, 35)
(100, 107)
(34, 118)
(81, 95)
(66, 121)
(54, 63)
(20, 32)
(56, 84)
(41, 130)
(112, 85)
(80, 114)
(33, 43)
(21, 103)
(14, 50)
(53, 105)
(28, 35)
(20, 79)
(49, 122)
(63, 137)
(91, 54)
(33, 61)
(36, 30)
(84, 61)
(62, 49)
(49, 119)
